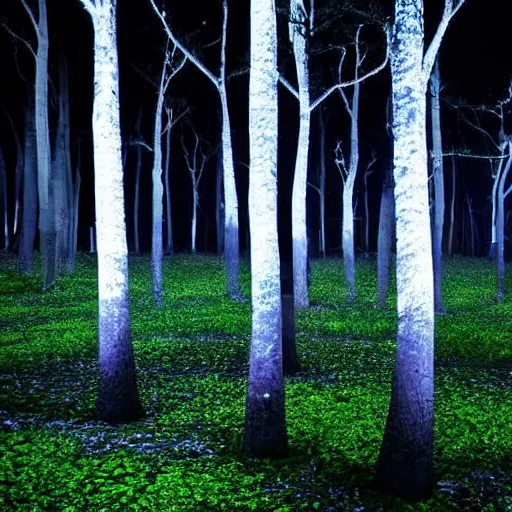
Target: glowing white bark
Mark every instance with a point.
(118, 398)
(405, 461)
(265, 426)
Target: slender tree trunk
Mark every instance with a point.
(219, 205)
(231, 231)
(299, 222)
(157, 246)
(193, 225)
(366, 215)
(61, 163)
(265, 425)
(385, 236)
(405, 461)
(438, 170)
(169, 244)
(29, 215)
(47, 233)
(348, 189)
(322, 183)
(471, 225)
(118, 397)
(500, 227)
(138, 166)
(3, 200)
(452, 207)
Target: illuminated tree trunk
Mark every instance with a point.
(29, 213)
(404, 465)
(385, 236)
(265, 426)
(117, 396)
(438, 170)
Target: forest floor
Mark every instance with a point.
(192, 360)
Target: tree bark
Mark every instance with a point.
(438, 170)
(322, 183)
(219, 205)
(385, 236)
(299, 227)
(138, 166)
(452, 207)
(169, 243)
(404, 465)
(118, 396)
(29, 215)
(265, 425)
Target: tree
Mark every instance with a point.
(231, 232)
(301, 27)
(168, 73)
(438, 172)
(196, 161)
(385, 236)
(404, 466)
(29, 212)
(265, 425)
(118, 398)
(47, 231)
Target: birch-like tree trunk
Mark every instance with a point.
(438, 171)
(61, 163)
(74, 204)
(195, 164)
(405, 466)
(118, 397)
(298, 35)
(231, 230)
(452, 207)
(219, 205)
(3, 200)
(169, 242)
(136, 199)
(321, 184)
(158, 192)
(500, 222)
(265, 425)
(29, 214)
(385, 236)
(47, 234)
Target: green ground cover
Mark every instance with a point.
(192, 362)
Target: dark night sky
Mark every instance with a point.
(475, 65)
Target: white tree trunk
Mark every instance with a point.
(405, 462)
(297, 31)
(3, 200)
(219, 205)
(385, 237)
(47, 233)
(438, 170)
(29, 215)
(169, 243)
(321, 184)
(231, 231)
(500, 224)
(265, 426)
(118, 397)
(136, 200)
(452, 207)
(158, 195)
(193, 233)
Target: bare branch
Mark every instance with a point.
(19, 38)
(376, 70)
(214, 79)
(31, 16)
(140, 142)
(314, 187)
(431, 53)
(288, 85)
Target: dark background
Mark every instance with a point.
(475, 67)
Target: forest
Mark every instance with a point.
(255, 255)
